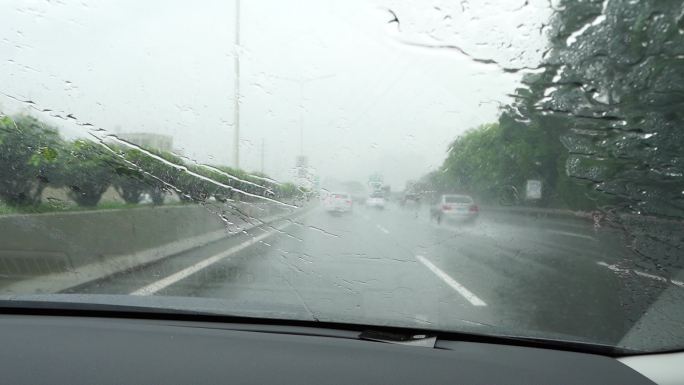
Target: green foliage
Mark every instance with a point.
(287, 190)
(473, 162)
(88, 170)
(196, 182)
(29, 153)
(163, 170)
(130, 184)
(600, 126)
(33, 156)
(619, 94)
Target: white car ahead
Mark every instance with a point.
(377, 200)
(339, 202)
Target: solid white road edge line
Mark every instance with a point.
(467, 294)
(188, 271)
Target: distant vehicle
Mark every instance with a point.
(454, 206)
(340, 202)
(376, 199)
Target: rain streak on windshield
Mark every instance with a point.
(500, 167)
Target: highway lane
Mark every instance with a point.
(397, 267)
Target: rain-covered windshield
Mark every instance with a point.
(183, 155)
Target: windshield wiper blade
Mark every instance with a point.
(420, 340)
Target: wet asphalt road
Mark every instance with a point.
(395, 266)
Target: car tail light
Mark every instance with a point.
(474, 209)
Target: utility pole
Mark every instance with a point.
(236, 106)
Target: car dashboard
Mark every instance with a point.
(116, 350)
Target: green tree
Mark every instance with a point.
(132, 180)
(130, 184)
(29, 154)
(287, 190)
(600, 126)
(157, 172)
(88, 170)
(476, 164)
(615, 80)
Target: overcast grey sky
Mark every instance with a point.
(166, 67)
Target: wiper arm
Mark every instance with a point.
(420, 340)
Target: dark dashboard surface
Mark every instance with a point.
(90, 350)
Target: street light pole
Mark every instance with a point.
(236, 106)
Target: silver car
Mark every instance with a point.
(455, 206)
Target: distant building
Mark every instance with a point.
(152, 141)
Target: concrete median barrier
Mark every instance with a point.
(47, 253)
